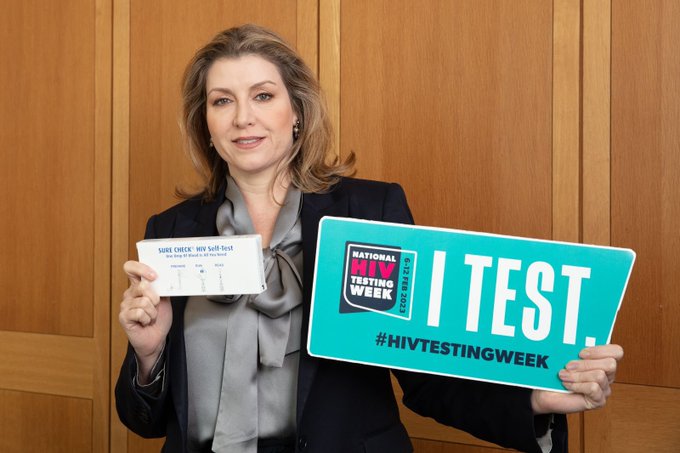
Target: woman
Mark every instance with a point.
(228, 374)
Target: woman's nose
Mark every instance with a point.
(244, 115)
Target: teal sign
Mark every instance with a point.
(472, 305)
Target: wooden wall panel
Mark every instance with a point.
(645, 175)
(637, 419)
(136, 444)
(47, 139)
(429, 446)
(453, 100)
(55, 139)
(53, 364)
(33, 422)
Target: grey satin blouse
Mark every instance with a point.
(243, 351)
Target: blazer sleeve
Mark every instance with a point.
(497, 413)
(143, 413)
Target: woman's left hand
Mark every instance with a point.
(589, 379)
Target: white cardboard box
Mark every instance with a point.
(205, 265)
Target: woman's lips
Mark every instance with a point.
(247, 142)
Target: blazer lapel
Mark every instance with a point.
(200, 223)
(314, 207)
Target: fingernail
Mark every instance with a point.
(563, 374)
(585, 354)
(572, 366)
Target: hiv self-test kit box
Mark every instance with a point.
(221, 265)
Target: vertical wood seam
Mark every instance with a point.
(120, 198)
(102, 235)
(566, 120)
(597, 122)
(329, 61)
(307, 31)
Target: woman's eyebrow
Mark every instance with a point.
(220, 90)
(252, 87)
(264, 82)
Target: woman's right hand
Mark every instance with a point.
(145, 317)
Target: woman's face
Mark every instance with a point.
(249, 115)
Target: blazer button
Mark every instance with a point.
(302, 443)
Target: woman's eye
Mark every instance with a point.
(263, 97)
(221, 101)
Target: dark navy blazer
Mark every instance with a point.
(341, 407)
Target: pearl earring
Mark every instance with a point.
(296, 130)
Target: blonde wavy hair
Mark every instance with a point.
(311, 163)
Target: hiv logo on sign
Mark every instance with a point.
(378, 278)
